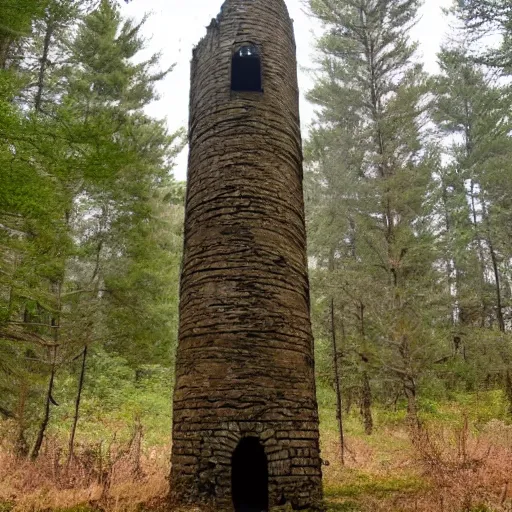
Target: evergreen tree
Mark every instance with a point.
(472, 113)
(483, 17)
(374, 95)
(91, 247)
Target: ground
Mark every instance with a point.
(460, 462)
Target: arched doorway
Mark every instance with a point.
(246, 69)
(249, 476)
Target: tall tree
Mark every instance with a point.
(472, 115)
(373, 107)
(85, 207)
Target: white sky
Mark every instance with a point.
(175, 26)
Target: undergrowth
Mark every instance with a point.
(460, 461)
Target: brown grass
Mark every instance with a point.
(440, 470)
(114, 481)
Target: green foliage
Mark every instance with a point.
(90, 242)
(16, 18)
(357, 483)
(367, 198)
(6, 506)
(408, 213)
(479, 18)
(115, 397)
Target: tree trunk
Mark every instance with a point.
(337, 386)
(499, 305)
(55, 325)
(495, 269)
(46, 417)
(135, 451)
(412, 408)
(366, 404)
(77, 407)
(480, 253)
(451, 263)
(366, 392)
(508, 390)
(21, 445)
(44, 63)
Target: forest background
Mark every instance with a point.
(408, 190)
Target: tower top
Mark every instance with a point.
(241, 6)
(244, 12)
(247, 58)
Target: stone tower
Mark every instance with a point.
(245, 429)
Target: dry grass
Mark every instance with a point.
(118, 483)
(441, 470)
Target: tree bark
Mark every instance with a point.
(46, 417)
(55, 325)
(451, 262)
(480, 253)
(21, 446)
(337, 385)
(135, 451)
(409, 385)
(508, 390)
(366, 404)
(412, 409)
(495, 269)
(366, 394)
(44, 63)
(499, 304)
(77, 407)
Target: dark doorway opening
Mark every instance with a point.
(246, 69)
(249, 476)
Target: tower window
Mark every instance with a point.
(249, 476)
(246, 69)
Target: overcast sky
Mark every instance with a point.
(175, 26)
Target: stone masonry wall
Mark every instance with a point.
(245, 355)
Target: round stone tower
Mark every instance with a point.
(245, 428)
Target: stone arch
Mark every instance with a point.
(249, 476)
(246, 69)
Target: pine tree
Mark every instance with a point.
(16, 23)
(372, 91)
(90, 243)
(472, 112)
(482, 17)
